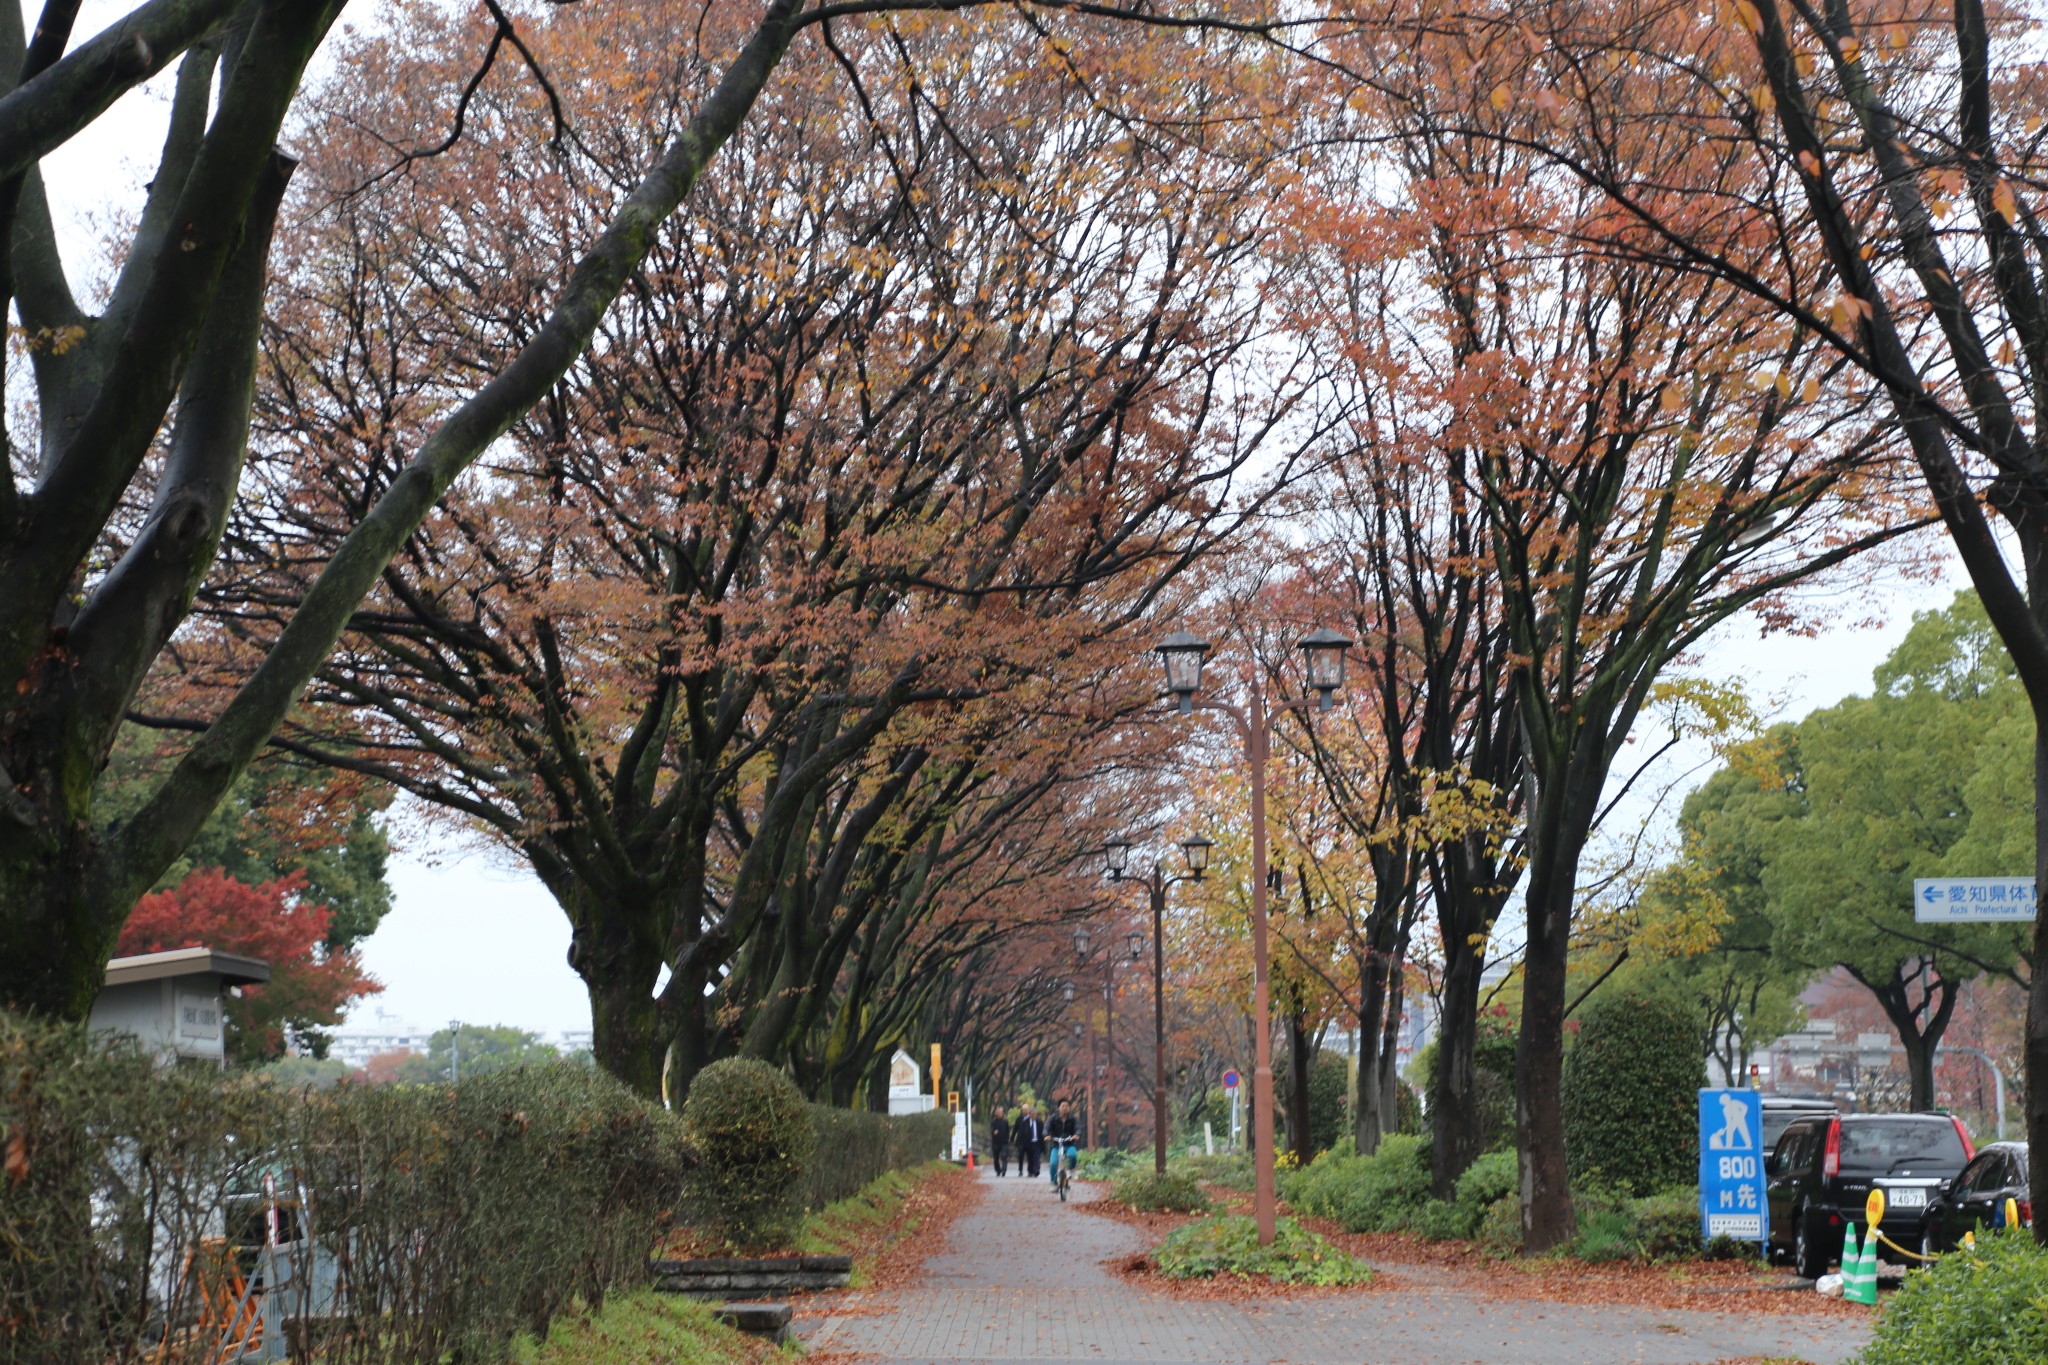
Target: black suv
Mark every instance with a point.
(1821, 1173)
(1975, 1200)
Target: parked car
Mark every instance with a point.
(1820, 1175)
(1780, 1111)
(1975, 1200)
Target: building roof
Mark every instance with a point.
(232, 968)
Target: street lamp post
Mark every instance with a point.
(1118, 855)
(1182, 655)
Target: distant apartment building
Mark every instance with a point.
(355, 1045)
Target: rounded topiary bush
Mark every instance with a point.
(1631, 1095)
(1147, 1192)
(751, 1136)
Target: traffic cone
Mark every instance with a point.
(1860, 1287)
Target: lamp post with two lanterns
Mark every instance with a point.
(1183, 653)
(1196, 851)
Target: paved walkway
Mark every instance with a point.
(1020, 1281)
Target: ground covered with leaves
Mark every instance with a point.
(645, 1328)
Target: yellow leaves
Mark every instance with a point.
(1500, 98)
(1809, 163)
(1747, 15)
(2005, 201)
(1672, 399)
(1852, 48)
(1783, 385)
(2005, 352)
(2033, 124)
(1810, 390)
(1763, 99)
(1896, 37)
(1804, 61)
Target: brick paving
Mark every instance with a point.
(1021, 1281)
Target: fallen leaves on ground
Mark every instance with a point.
(890, 1257)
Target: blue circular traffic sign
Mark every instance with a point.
(1231, 1080)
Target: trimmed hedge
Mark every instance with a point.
(751, 1138)
(857, 1146)
(1384, 1192)
(1631, 1095)
(454, 1218)
(1228, 1244)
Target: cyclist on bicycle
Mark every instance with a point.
(1063, 1140)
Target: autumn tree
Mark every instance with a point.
(1637, 486)
(311, 984)
(762, 565)
(1888, 155)
(114, 496)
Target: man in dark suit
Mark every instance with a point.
(1029, 1135)
(999, 1140)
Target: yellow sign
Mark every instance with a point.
(935, 1068)
(953, 1101)
(1873, 1207)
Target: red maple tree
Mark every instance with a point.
(309, 986)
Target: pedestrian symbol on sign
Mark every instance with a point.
(1733, 1135)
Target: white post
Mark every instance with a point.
(1208, 1138)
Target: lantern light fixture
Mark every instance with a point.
(1182, 654)
(1196, 850)
(1325, 650)
(1117, 853)
(1080, 940)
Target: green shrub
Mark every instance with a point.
(1500, 1229)
(1615, 1227)
(1668, 1224)
(1631, 1086)
(751, 1138)
(470, 1213)
(1329, 1082)
(1103, 1163)
(1319, 1187)
(858, 1146)
(1390, 1187)
(1442, 1221)
(1606, 1234)
(1149, 1192)
(1378, 1193)
(1985, 1308)
(1228, 1244)
(1233, 1170)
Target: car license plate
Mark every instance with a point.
(1908, 1198)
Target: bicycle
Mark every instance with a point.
(1064, 1164)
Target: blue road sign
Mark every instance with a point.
(1230, 1080)
(1732, 1200)
(1946, 900)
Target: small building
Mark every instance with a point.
(171, 1002)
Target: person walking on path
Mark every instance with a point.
(1063, 1136)
(1029, 1135)
(999, 1140)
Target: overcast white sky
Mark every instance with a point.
(475, 938)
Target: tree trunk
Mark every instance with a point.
(54, 940)
(1547, 1217)
(2037, 983)
(1297, 1099)
(1371, 1122)
(619, 970)
(1454, 1099)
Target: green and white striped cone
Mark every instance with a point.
(1860, 1284)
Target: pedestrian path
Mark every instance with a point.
(1021, 1281)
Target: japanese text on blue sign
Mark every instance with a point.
(1732, 1166)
